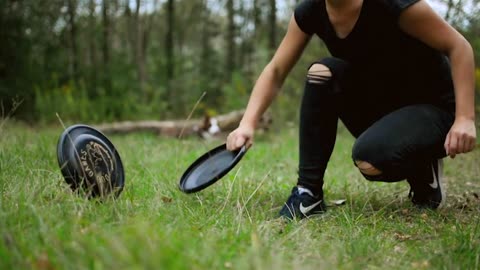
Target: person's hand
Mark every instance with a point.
(243, 135)
(461, 138)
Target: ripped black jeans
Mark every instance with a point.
(396, 139)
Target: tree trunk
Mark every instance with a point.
(170, 53)
(205, 40)
(248, 40)
(107, 80)
(230, 52)
(256, 18)
(139, 45)
(169, 42)
(71, 9)
(272, 42)
(449, 10)
(182, 128)
(130, 33)
(92, 46)
(458, 11)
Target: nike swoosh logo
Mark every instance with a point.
(434, 185)
(307, 209)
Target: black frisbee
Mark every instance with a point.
(209, 168)
(89, 162)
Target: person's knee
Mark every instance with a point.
(362, 151)
(319, 74)
(367, 168)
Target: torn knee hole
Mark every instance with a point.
(319, 74)
(367, 168)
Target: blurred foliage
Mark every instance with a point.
(98, 61)
(477, 78)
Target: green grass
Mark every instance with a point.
(232, 224)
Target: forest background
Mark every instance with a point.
(99, 61)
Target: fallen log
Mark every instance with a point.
(182, 128)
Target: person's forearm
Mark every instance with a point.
(263, 93)
(463, 73)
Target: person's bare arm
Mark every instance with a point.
(421, 22)
(269, 83)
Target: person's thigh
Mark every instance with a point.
(356, 102)
(404, 140)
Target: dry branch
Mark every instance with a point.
(176, 128)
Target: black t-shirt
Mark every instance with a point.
(396, 67)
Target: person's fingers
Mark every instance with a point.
(462, 141)
(453, 146)
(249, 143)
(470, 144)
(239, 142)
(446, 145)
(230, 141)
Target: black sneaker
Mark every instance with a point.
(302, 203)
(425, 189)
